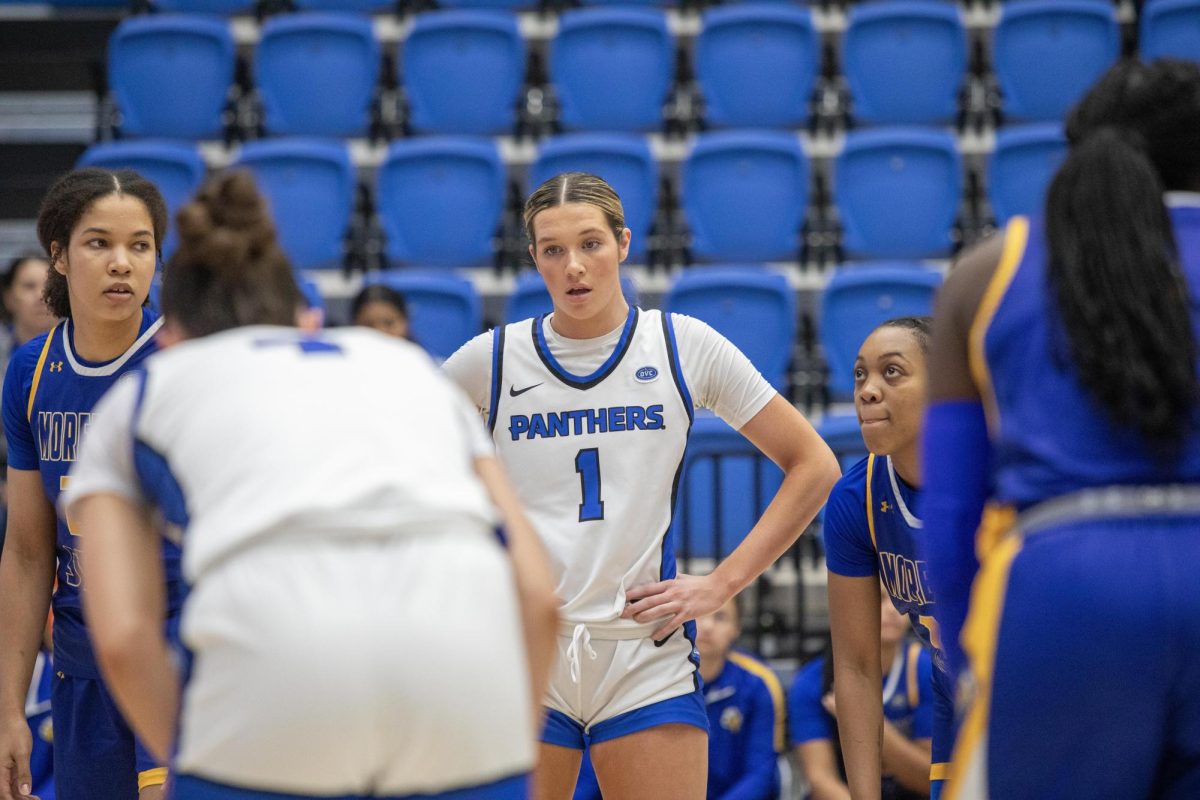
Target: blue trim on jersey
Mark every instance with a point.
(497, 374)
(602, 372)
(159, 483)
(686, 709)
(190, 787)
(676, 367)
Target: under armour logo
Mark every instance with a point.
(884, 506)
(56, 366)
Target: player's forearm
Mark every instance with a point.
(805, 488)
(26, 582)
(860, 727)
(905, 760)
(828, 787)
(757, 784)
(534, 580)
(145, 683)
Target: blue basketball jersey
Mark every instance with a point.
(745, 706)
(907, 697)
(1051, 437)
(871, 529)
(49, 393)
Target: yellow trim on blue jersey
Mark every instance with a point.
(37, 371)
(939, 771)
(870, 501)
(152, 777)
(1016, 236)
(979, 636)
(913, 680)
(931, 625)
(764, 673)
(997, 521)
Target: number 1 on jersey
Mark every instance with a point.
(587, 464)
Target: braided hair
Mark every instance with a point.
(1113, 269)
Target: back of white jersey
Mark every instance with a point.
(346, 432)
(596, 458)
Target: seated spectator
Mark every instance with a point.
(907, 725)
(745, 716)
(382, 308)
(25, 316)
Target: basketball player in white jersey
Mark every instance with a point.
(590, 409)
(353, 616)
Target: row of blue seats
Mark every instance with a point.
(464, 71)
(745, 194)
(752, 306)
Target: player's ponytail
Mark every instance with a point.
(229, 269)
(1113, 267)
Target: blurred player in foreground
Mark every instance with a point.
(1063, 381)
(355, 623)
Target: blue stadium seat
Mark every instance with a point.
(751, 307)
(844, 436)
(316, 74)
(745, 194)
(1049, 52)
(898, 191)
(310, 185)
(360, 6)
(462, 71)
(170, 74)
(624, 161)
(529, 297)
(1170, 29)
(905, 61)
(495, 5)
(857, 300)
(724, 487)
(176, 168)
(440, 200)
(1021, 167)
(444, 309)
(612, 68)
(756, 65)
(226, 7)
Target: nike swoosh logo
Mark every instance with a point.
(514, 392)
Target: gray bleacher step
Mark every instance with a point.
(48, 117)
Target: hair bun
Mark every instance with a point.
(226, 228)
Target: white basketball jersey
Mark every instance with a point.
(596, 458)
(349, 432)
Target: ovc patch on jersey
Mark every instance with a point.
(646, 374)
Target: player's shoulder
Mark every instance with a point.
(24, 359)
(852, 486)
(688, 328)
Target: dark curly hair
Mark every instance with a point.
(1113, 267)
(921, 329)
(229, 269)
(66, 203)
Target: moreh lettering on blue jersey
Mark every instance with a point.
(586, 421)
(905, 579)
(60, 433)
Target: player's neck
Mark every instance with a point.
(103, 340)
(594, 327)
(908, 465)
